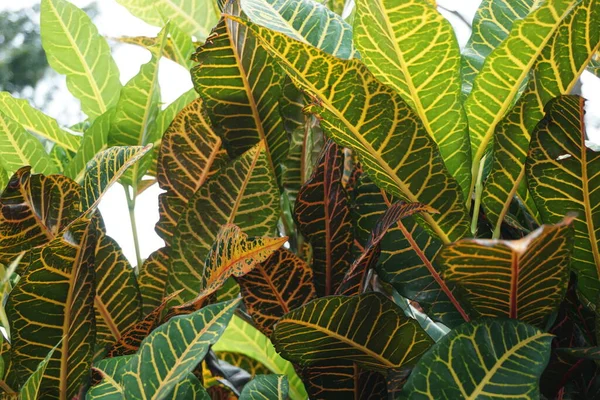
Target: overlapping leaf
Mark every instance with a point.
(388, 137)
(554, 74)
(160, 364)
(74, 48)
(323, 216)
(497, 358)
(245, 194)
(522, 279)
(152, 279)
(563, 176)
(31, 387)
(394, 37)
(506, 68)
(343, 379)
(276, 286)
(271, 387)
(54, 302)
(190, 153)
(382, 338)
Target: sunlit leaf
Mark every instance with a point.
(276, 286)
(54, 302)
(241, 337)
(266, 387)
(498, 359)
(382, 338)
(245, 194)
(394, 53)
(19, 148)
(522, 279)
(31, 387)
(159, 364)
(190, 388)
(74, 48)
(563, 176)
(360, 113)
(152, 279)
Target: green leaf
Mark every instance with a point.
(30, 388)
(358, 112)
(54, 302)
(491, 25)
(504, 72)
(245, 194)
(95, 140)
(37, 122)
(173, 350)
(152, 279)
(134, 123)
(276, 286)
(3, 179)
(322, 214)
(118, 303)
(382, 338)
(109, 388)
(523, 279)
(194, 17)
(105, 169)
(266, 387)
(498, 359)
(190, 153)
(394, 53)
(34, 210)
(19, 148)
(190, 388)
(554, 74)
(75, 48)
(594, 66)
(241, 87)
(241, 337)
(563, 177)
(343, 380)
(306, 21)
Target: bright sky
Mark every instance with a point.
(114, 20)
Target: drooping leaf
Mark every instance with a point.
(491, 25)
(245, 194)
(554, 74)
(54, 302)
(189, 154)
(33, 210)
(276, 286)
(506, 68)
(522, 279)
(241, 337)
(563, 176)
(117, 303)
(152, 279)
(37, 122)
(306, 21)
(382, 338)
(322, 214)
(19, 148)
(105, 169)
(358, 112)
(354, 278)
(74, 48)
(497, 358)
(394, 53)
(160, 363)
(31, 387)
(194, 17)
(266, 387)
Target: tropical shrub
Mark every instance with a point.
(352, 208)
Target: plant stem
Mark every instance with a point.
(478, 191)
(131, 206)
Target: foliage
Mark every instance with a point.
(352, 208)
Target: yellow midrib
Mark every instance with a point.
(185, 15)
(101, 307)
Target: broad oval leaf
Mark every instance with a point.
(75, 48)
(382, 338)
(498, 358)
(276, 286)
(173, 350)
(360, 113)
(394, 37)
(564, 176)
(523, 279)
(266, 387)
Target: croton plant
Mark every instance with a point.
(353, 206)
